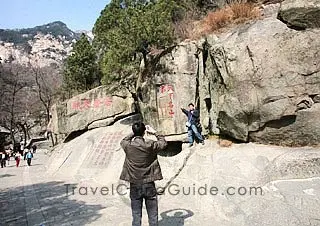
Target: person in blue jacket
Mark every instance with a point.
(193, 121)
(29, 156)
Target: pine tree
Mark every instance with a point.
(127, 29)
(81, 70)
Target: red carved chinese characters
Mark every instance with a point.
(96, 103)
(108, 101)
(87, 104)
(76, 105)
(104, 149)
(166, 106)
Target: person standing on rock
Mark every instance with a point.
(141, 168)
(192, 124)
(29, 157)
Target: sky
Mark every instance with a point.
(76, 14)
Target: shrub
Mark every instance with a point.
(216, 20)
(244, 11)
(234, 13)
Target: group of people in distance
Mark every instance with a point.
(17, 153)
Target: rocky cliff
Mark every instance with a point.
(258, 82)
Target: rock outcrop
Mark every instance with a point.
(258, 82)
(96, 108)
(299, 14)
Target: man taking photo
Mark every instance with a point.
(141, 168)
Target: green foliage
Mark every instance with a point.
(127, 29)
(81, 70)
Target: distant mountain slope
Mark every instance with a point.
(21, 36)
(42, 45)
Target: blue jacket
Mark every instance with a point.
(193, 118)
(29, 155)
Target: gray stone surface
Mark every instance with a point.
(263, 86)
(170, 88)
(98, 107)
(300, 14)
(255, 82)
(289, 179)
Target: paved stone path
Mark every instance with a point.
(28, 196)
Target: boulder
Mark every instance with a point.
(291, 130)
(300, 14)
(95, 108)
(269, 74)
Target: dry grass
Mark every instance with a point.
(218, 19)
(235, 13)
(244, 11)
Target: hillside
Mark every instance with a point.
(57, 29)
(32, 58)
(42, 46)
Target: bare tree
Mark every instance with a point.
(14, 80)
(26, 96)
(48, 80)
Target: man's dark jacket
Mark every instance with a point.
(141, 163)
(192, 117)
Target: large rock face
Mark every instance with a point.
(301, 14)
(96, 108)
(268, 72)
(258, 82)
(170, 89)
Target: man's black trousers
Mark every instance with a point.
(148, 193)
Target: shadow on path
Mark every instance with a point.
(175, 217)
(6, 175)
(44, 203)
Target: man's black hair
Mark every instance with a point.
(138, 128)
(191, 105)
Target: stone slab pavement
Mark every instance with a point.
(28, 198)
(289, 179)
